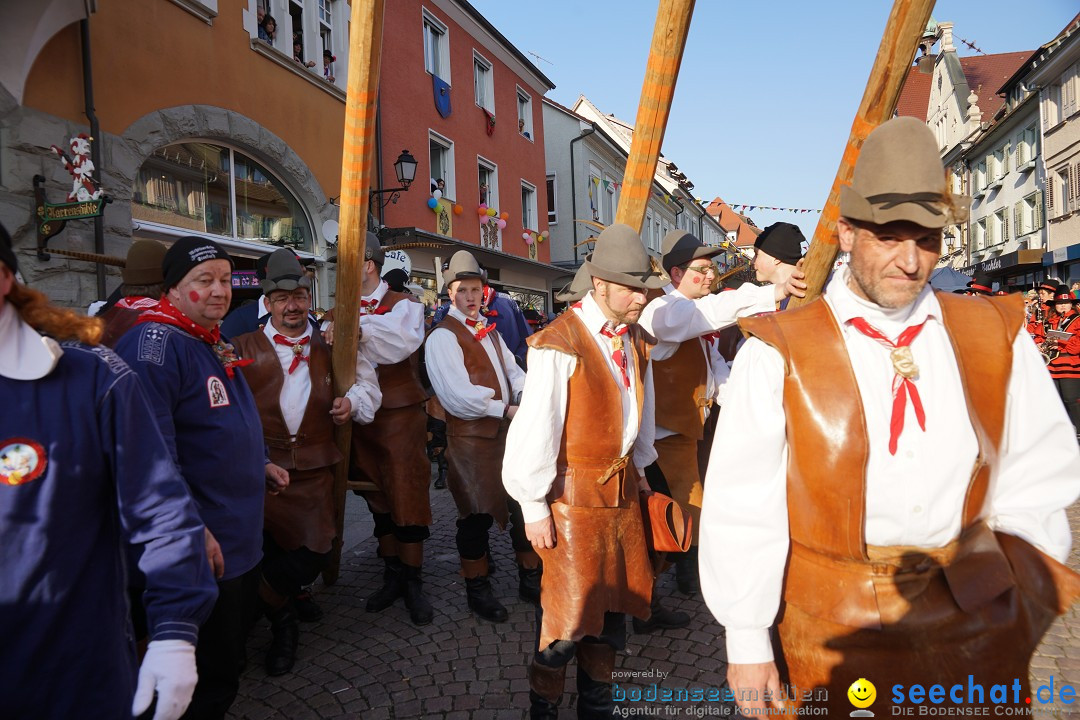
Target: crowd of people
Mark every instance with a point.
(876, 482)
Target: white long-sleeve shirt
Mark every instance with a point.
(674, 319)
(446, 368)
(914, 497)
(364, 395)
(532, 443)
(391, 337)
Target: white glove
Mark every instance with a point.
(169, 668)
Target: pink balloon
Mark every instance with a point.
(501, 223)
(484, 219)
(528, 240)
(525, 237)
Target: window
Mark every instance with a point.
(647, 231)
(980, 234)
(215, 190)
(1059, 194)
(524, 113)
(1027, 214)
(483, 83)
(436, 47)
(528, 206)
(978, 177)
(607, 197)
(594, 193)
(552, 205)
(441, 159)
(1052, 113)
(1000, 227)
(488, 183)
(1026, 148)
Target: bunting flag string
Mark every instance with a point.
(612, 186)
(750, 208)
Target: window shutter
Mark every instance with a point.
(1050, 195)
(1038, 219)
(1004, 224)
(1008, 152)
(1018, 218)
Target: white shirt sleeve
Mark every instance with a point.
(644, 451)
(1039, 471)
(391, 338)
(365, 394)
(674, 319)
(515, 376)
(446, 369)
(744, 520)
(535, 434)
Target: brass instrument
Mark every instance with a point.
(1050, 350)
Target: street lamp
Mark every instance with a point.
(405, 170)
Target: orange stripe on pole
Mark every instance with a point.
(905, 27)
(657, 90)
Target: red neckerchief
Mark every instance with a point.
(902, 384)
(297, 348)
(481, 331)
(136, 302)
(168, 314)
(617, 354)
(485, 304)
(373, 307)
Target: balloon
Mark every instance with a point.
(432, 203)
(482, 210)
(525, 237)
(437, 194)
(501, 223)
(528, 240)
(505, 216)
(458, 209)
(540, 238)
(544, 234)
(492, 212)
(484, 219)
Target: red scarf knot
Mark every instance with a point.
(903, 383)
(481, 331)
(297, 348)
(168, 314)
(617, 354)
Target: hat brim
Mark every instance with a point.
(676, 258)
(855, 207)
(286, 284)
(648, 280)
(448, 278)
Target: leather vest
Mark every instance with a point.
(400, 382)
(682, 383)
(591, 469)
(313, 446)
(481, 372)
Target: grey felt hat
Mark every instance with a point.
(620, 257)
(283, 272)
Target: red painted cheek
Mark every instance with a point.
(193, 296)
(696, 280)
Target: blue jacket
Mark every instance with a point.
(212, 428)
(102, 475)
(511, 324)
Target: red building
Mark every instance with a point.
(466, 104)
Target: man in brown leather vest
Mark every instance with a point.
(291, 381)
(574, 457)
(477, 383)
(390, 452)
(898, 507)
(688, 372)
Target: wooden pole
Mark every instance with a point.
(661, 72)
(905, 28)
(357, 166)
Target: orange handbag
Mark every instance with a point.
(667, 527)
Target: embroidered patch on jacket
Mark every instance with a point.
(21, 461)
(216, 390)
(152, 345)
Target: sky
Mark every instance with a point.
(767, 90)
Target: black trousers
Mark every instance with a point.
(384, 525)
(560, 652)
(220, 654)
(1069, 390)
(287, 571)
(472, 532)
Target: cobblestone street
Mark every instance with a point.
(353, 664)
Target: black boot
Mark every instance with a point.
(391, 589)
(306, 608)
(686, 572)
(440, 481)
(482, 601)
(420, 610)
(529, 584)
(285, 626)
(545, 690)
(661, 618)
(594, 697)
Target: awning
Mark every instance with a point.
(1003, 264)
(1065, 254)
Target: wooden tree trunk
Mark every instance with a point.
(357, 169)
(661, 72)
(905, 27)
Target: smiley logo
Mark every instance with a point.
(862, 693)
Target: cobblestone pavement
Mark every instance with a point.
(353, 664)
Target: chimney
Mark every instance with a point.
(945, 29)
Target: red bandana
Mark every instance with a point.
(297, 348)
(617, 353)
(480, 329)
(902, 384)
(485, 303)
(168, 314)
(372, 307)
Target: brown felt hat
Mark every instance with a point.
(899, 176)
(143, 263)
(284, 272)
(462, 265)
(680, 247)
(620, 257)
(373, 249)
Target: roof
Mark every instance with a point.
(915, 94)
(731, 221)
(986, 73)
(486, 24)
